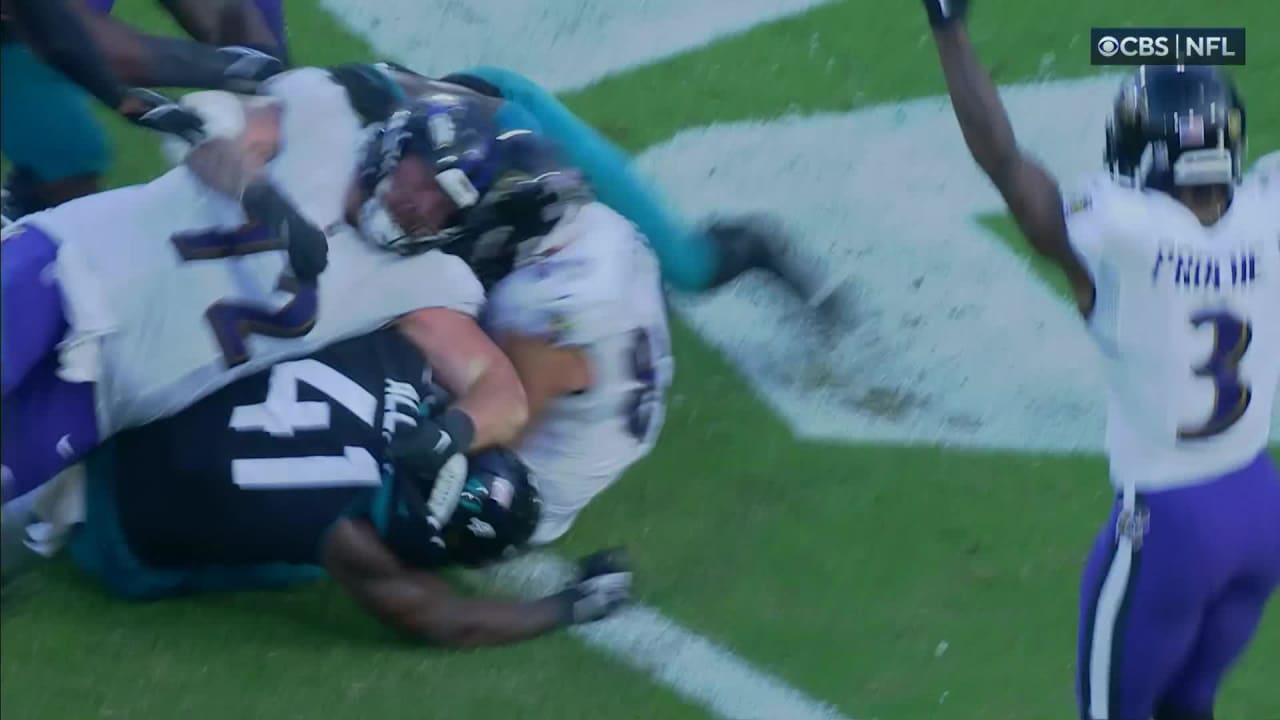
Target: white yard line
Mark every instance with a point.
(696, 668)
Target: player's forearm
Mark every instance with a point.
(497, 406)
(982, 117)
(423, 607)
(469, 623)
(474, 371)
(152, 61)
(56, 30)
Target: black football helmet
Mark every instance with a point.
(497, 512)
(1177, 126)
(510, 186)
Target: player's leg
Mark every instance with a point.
(1140, 608)
(1228, 627)
(49, 132)
(48, 425)
(687, 257)
(1232, 620)
(32, 322)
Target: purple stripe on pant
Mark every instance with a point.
(48, 424)
(1182, 601)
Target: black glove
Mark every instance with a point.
(373, 94)
(308, 246)
(151, 110)
(602, 588)
(944, 12)
(247, 68)
(425, 465)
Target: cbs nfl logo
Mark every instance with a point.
(1167, 46)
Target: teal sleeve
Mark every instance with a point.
(49, 125)
(686, 256)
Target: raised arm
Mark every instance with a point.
(1031, 194)
(144, 60)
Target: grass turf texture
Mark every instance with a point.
(839, 568)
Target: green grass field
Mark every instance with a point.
(838, 568)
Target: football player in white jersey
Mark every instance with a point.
(1175, 264)
(578, 307)
(137, 302)
(583, 319)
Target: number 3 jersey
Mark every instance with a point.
(1188, 320)
(596, 287)
(258, 471)
(142, 268)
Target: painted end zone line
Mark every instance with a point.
(694, 667)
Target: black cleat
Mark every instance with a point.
(760, 242)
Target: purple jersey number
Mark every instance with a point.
(233, 322)
(644, 399)
(1231, 339)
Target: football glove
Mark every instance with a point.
(602, 588)
(944, 12)
(151, 110)
(247, 68)
(430, 465)
(308, 246)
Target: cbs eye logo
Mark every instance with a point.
(1108, 46)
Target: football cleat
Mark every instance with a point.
(760, 242)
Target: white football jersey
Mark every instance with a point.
(137, 309)
(1188, 321)
(600, 291)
